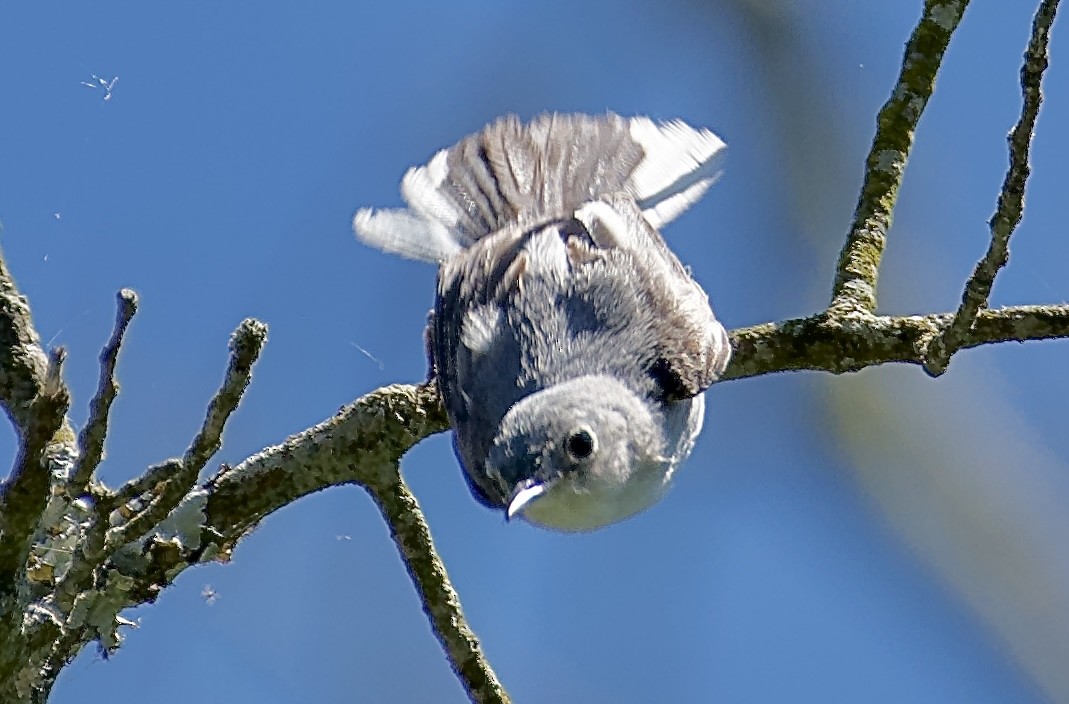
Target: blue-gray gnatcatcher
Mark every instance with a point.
(570, 345)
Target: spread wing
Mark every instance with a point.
(512, 172)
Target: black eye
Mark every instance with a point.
(580, 445)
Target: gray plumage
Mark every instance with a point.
(570, 345)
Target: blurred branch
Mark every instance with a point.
(1010, 200)
(858, 268)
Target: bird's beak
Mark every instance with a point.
(523, 495)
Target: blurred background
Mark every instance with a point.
(880, 537)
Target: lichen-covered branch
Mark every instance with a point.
(55, 603)
(22, 360)
(91, 439)
(25, 372)
(26, 493)
(828, 344)
(363, 443)
(245, 346)
(359, 444)
(412, 536)
(36, 400)
(858, 268)
(177, 477)
(1010, 200)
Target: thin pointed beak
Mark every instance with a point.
(523, 497)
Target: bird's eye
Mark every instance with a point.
(580, 444)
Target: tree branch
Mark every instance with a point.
(26, 494)
(412, 536)
(85, 592)
(22, 361)
(25, 372)
(858, 268)
(45, 450)
(1010, 200)
(177, 477)
(91, 439)
(364, 441)
(824, 343)
(245, 346)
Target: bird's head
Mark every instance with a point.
(579, 455)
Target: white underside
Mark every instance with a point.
(564, 507)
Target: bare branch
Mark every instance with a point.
(360, 444)
(1010, 200)
(363, 442)
(412, 536)
(25, 496)
(91, 439)
(84, 601)
(822, 343)
(147, 482)
(22, 361)
(175, 478)
(858, 267)
(245, 346)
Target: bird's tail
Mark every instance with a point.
(513, 172)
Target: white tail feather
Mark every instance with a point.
(420, 188)
(679, 165)
(406, 233)
(453, 202)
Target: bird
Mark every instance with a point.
(570, 346)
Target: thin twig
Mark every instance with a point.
(412, 536)
(245, 346)
(858, 268)
(91, 439)
(1010, 206)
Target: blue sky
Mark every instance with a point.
(878, 538)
